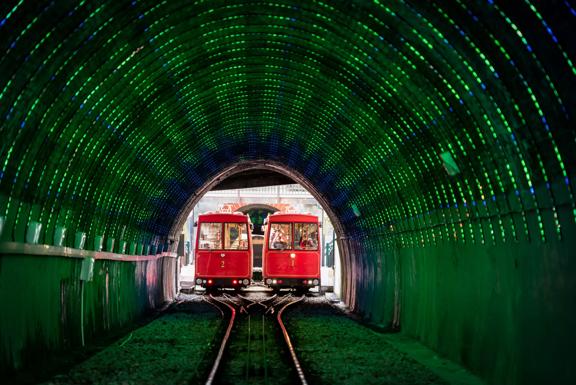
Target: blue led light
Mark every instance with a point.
(554, 39)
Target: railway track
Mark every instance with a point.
(256, 347)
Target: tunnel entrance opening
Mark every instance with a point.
(259, 189)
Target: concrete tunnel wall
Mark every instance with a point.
(439, 134)
(46, 310)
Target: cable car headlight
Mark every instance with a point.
(268, 281)
(245, 281)
(316, 282)
(198, 281)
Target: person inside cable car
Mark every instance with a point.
(279, 239)
(304, 241)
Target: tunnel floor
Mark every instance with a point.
(171, 349)
(336, 348)
(333, 347)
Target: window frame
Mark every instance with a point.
(297, 244)
(209, 241)
(272, 233)
(226, 230)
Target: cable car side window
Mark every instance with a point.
(305, 236)
(210, 236)
(235, 236)
(280, 236)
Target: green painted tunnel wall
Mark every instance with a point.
(504, 311)
(41, 303)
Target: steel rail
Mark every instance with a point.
(277, 302)
(289, 342)
(255, 302)
(214, 369)
(216, 306)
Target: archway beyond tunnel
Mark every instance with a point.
(258, 202)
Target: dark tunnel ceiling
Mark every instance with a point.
(113, 113)
(253, 178)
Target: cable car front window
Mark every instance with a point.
(280, 236)
(210, 236)
(235, 236)
(306, 236)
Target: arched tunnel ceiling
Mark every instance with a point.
(113, 113)
(253, 178)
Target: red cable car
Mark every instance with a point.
(223, 250)
(291, 253)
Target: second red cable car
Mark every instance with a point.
(291, 253)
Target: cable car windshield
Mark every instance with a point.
(209, 236)
(235, 236)
(280, 236)
(305, 236)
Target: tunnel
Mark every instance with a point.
(439, 136)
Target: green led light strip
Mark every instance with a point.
(113, 113)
